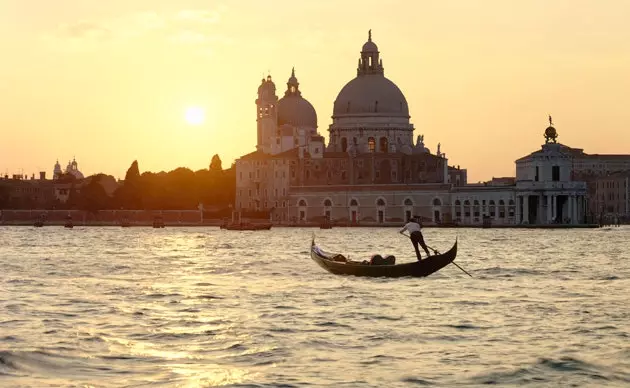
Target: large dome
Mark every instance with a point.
(370, 93)
(293, 109)
(373, 94)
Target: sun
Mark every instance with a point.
(195, 115)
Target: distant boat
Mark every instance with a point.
(158, 222)
(125, 223)
(68, 223)
(38, 224)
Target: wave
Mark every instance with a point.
(548, 370)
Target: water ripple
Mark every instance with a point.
(138, 307)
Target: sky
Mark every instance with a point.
(109, 82)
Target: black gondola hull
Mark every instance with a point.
(414, 269)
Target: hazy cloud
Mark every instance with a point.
(186, 27)
(198, 16)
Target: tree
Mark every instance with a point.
(133, 173)
(215, 164)
(93, 196)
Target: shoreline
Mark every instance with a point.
(311, 225)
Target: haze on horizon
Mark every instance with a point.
(110, 82)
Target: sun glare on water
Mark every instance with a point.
(195, 115)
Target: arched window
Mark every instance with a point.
(380, 202)
(408, 202)
(327, 203)
(437, 202)
(354, 202)
(371, 144)
(302, 202)
(492, 208)
(511, 208)
(383, 144)
(344, 144)
(466, 208)
(458, 203)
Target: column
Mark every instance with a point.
(574, 214)
(526, 209)
(554, 207)
(518, 210)
(569, 208)
(453, 213)
(496, 210)
(549, 213)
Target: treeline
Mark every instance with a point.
(180, 189)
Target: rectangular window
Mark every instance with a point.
(555, 173)
(536, 177)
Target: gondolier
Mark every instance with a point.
(414, 227)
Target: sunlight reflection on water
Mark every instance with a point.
(196, 307)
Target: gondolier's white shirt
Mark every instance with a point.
(411, 227)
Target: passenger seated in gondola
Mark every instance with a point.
(380, 260)
(414, 227)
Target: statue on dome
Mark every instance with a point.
(438, 149)
(551, 134)
(420, 141)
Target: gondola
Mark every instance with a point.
(331, 263)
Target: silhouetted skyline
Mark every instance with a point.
(116, 81)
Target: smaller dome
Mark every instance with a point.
(369, 47)
(296, 111)
(551, 132)
(293, 109)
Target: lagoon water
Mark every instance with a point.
(198, 307)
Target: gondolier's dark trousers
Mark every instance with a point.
(416, 238)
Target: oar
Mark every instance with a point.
(437, 253)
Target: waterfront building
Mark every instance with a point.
(612, 197)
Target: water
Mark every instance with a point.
(197, 307)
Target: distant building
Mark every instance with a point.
(612, 196)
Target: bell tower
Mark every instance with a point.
(266, 115)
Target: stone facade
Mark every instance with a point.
(612, 196)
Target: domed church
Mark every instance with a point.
(371, 171)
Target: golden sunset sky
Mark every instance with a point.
(108, 81)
